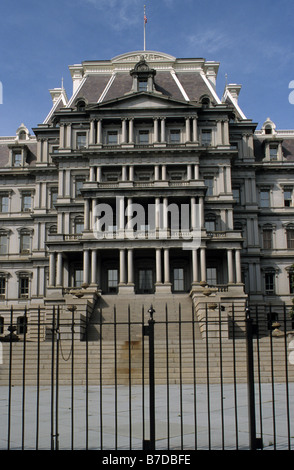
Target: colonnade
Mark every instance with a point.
(92, 266)
(159, 209)
(127, 131)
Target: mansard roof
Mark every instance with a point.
(180, 79)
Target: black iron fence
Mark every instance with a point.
(148, 380)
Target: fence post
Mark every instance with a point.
(255, 443)
(149, 331)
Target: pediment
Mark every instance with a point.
(141, 100)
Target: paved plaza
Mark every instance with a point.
(218, 415)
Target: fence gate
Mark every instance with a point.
(149, 380)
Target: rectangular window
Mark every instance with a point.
(288, 197)
(145, 280)
(4, 203)
(211, 276)
(79, 227)
(17, 159)
(78, 186)
(81, 140)
(273, 152)
(264, 198)
(267, 236)
(178, 279)
(290, 238)
(210, 225)
(21, 325)
(291, 282)
(206, 137)
(23, 287)
(53, 197)
(142, 84)
(174, 136)
(112, 137)
(112, 280)
(209, 183)
(78, 277)
(144, 137)
(270, 283)
(2, 287)
(26, 202)
(3, 244)
(236, 195)
(25, 243)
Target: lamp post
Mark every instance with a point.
(149, 331)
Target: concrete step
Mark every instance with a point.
(123, 362)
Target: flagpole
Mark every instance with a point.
(145, 20)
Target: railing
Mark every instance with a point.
(140, 380)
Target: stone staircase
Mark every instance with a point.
(104, 363)
(134, 310)
(182, 352)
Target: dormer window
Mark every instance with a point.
(81, 105)
(273, 148)
(17, 159)
(142, 84)
(143, 77)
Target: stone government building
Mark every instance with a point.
(147, 129)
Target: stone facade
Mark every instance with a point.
(146, 139)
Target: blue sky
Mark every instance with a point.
(252, 40)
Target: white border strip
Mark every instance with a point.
(173, 74)
(110, 82)
(211, 89)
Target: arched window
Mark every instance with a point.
(81, 105)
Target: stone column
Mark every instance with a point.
(130, 266)
(194, 266)
(52, 269)
(238, 266)
(166, 266)
(195, 133)
(121, 214)
(92, 174)
(196, 171)
(158, 266)
(162, 139)
(94, 267)
(163, 172)
(131, 131)
(86, 266)
(157, 213)
(124, 131)
(122, 266)
(99, 132)
(99, 174)
(124, 173)
(131, 173)
(68, 136)
(165, 213)
(230, 266)
(189, 172)
(62, 136)
(86, 214)
(188, 131)
(201, 204)
(155, 121)
(203, 263)
(61, 183)
(193, 213)
(59, 270)
(92, 132)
